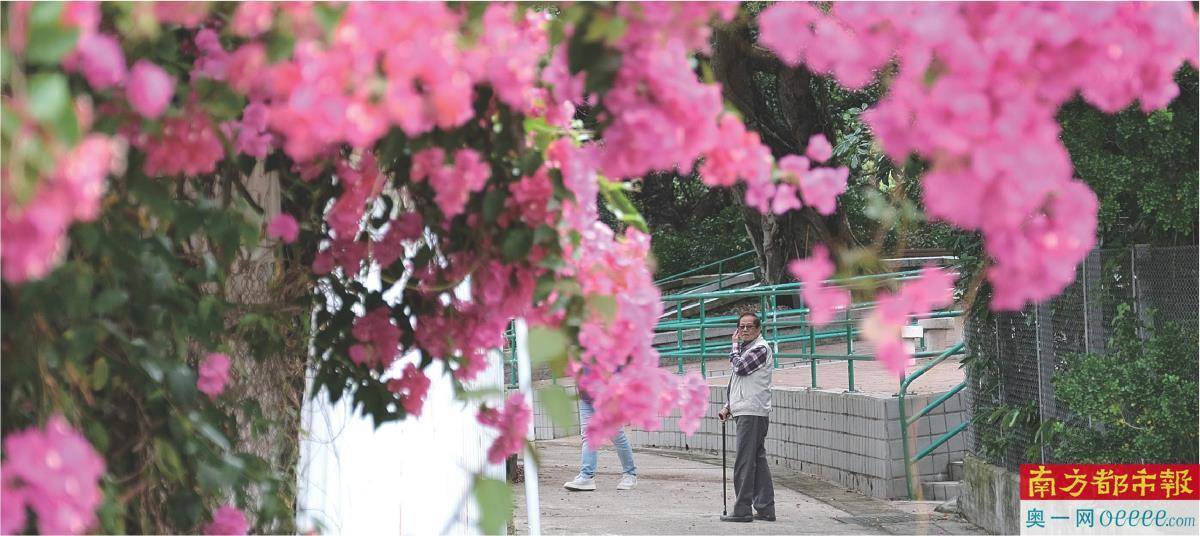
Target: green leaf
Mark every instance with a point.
(517, 244)
(49, 96)
(547, 345)
(153, 369)
(280, 47)
(483, 393)
(109, 300)
(211, 433)
(493, 203)
(328, 15)
(167, 459)
(49, 40)
(100, 374)
(182, 383)
(495, 504)
(559, 404)
(606, 305)
(45, 13)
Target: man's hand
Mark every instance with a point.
(723, 415)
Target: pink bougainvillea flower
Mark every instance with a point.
(253, 18)
(101, 60)
(227, 520)
(819, 149)
(54, 471)
(977, 99)
(823, 301)
(820, 188)
(150, 89)
(186, 14)
(187, 145)
(932, 289)
(214, 374)
(12, 504)
(379, 339)
(411, 387)
(512, 422)
(34, 234)
(283, 227)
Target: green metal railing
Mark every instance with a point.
(699, 270)
(706, 345)
(905, 421)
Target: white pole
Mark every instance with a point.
(525, 379)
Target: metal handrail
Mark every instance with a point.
(697, 269)
(906, 421)
(777, 289)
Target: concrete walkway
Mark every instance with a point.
(680, 493)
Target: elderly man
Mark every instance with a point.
(749, 403)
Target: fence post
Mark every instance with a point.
(703, 342)
(679, 335)
(774, 331)
(1139, 301)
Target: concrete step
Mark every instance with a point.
(946, 490)
(956, 470)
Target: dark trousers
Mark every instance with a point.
(751, 474)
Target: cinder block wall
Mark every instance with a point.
(852, 439)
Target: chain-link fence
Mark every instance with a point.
(1017, 353)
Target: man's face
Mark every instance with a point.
(746, 330)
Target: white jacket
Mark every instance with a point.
(751, 394)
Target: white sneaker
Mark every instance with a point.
(627, 482)
(581, 483)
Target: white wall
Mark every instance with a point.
(408, 477)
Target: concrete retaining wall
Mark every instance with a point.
(849, 438)
(991, 497)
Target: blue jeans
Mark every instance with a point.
(624, 451)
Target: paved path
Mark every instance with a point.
(680, 493)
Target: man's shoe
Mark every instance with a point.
(738, 519)
(581, 483)
(627, 482)
(764, 517)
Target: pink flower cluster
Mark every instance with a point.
(512, 421)
(214, 374)
(361, 184)
(34, 233)
(283, 227)
(934, 288)
(452, 185)
(976, 93)
(530, 199)
(819, 187)
(823, 301)
(54, 471)
(379, 339)
(99, 57)
(227, 520)
(188, 145)
(462, 332)
(404, 229)
(619, 366)
(663, 117)
(411, 387)
(250, 133)
(321, 98)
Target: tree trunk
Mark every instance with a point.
(748, 76)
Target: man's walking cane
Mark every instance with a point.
(724, 483)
